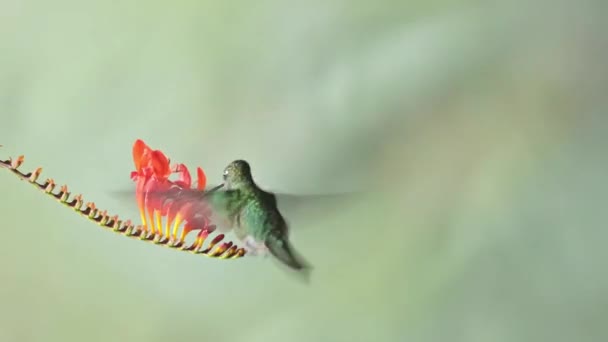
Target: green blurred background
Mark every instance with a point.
(484, 124)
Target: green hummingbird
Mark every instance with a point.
(253, 214)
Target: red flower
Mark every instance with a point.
(158, 196)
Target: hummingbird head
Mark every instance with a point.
(237, 173)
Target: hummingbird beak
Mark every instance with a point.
(215, 188)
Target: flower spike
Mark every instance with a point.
(142, 156)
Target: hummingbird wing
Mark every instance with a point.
(312, 204)
(308, 209)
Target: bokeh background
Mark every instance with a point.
(479, 126)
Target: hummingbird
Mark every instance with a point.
(253, 214)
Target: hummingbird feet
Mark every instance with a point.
(255, 248)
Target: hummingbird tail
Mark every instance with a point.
(282, 250)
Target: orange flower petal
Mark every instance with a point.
(134, 175)
(140, 198)
(202, 179)
(139, 148)
(184, 180)
(160, 164)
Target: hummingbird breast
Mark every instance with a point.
(258, 218)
